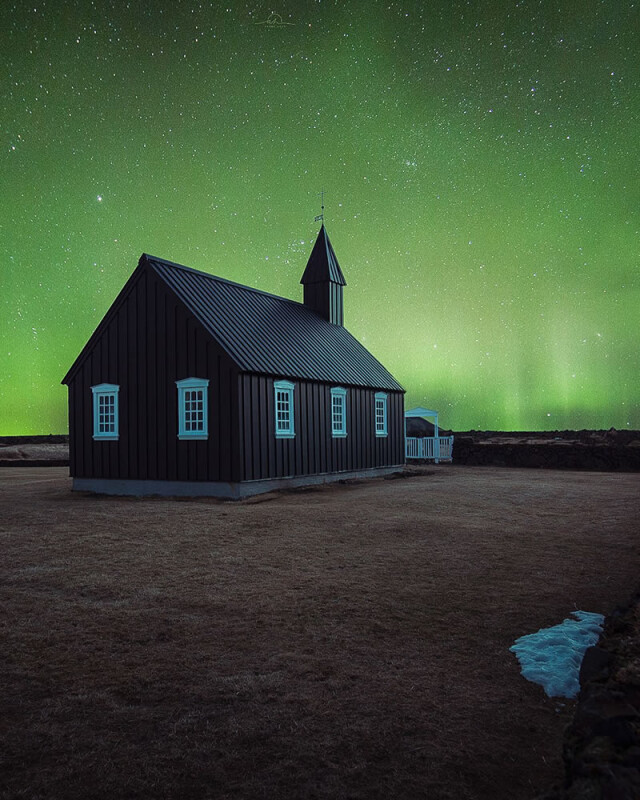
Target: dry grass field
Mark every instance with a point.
(348, 641)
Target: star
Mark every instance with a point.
(478, 172)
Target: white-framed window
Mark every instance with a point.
(338, 412)
(381, 414)
(105, 411)
(284, 409)
(193, 415)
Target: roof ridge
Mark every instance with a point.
(209, 275)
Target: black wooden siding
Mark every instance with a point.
(326, 300)
(149, 342)
(314, 450)
(150, 339)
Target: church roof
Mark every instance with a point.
(262, 333)
(323, 265)
(267, 334)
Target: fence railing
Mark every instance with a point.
(438, 448)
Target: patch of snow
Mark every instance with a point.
(552, 656)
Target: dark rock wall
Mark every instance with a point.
(50, 438)
(602, 744)
(548, 455)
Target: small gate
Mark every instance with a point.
(437, 448)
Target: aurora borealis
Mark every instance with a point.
(480, 163)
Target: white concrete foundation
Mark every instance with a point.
(233, 491)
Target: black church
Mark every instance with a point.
(195, 385)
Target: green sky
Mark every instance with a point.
(480, 162)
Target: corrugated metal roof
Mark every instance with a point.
(267, 334)
(323, 265)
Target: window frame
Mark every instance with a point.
(99, 391)
(286, 387)
(339, 394)
(381, 429)
(193, 385)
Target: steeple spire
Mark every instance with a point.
(323, 280)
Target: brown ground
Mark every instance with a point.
(348, 641)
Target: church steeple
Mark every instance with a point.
(323, 281)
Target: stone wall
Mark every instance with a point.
(51, 438)
(547, 455)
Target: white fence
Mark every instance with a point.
(438, 448)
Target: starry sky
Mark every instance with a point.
(479, 160)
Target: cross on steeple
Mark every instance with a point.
(321, 215)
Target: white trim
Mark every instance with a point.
(340, 394)
(104, 395)
(381, 429)
(284, 418)
(197, 426)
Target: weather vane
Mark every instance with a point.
(321, 215)
(274, 21)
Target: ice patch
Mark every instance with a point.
(552, 656)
